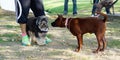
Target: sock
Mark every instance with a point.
(23, 34)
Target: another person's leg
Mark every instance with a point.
(94, 7)
(74, 7)
(107, 10)
(65, 7)
(22, 10)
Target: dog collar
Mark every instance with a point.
(66, 22)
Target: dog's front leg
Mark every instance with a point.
(80, 41)
(30, 34)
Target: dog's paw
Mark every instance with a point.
(95, 51)
(101, 50)
(77, 50)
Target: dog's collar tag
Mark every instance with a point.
(66, 22)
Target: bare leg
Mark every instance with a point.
(23, 28)
(25, 39)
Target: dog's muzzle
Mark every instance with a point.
(43, 28)
(42, 24)
(53, 24)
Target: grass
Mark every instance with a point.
(10, 31)
(10, 26)
(63, 45)
(1, 40)
(57, 6)
(84, 8)
(114, 43)
(54, 7)
(7, 37)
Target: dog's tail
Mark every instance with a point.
(105, 16)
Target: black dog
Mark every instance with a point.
(37, 28)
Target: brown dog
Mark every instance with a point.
(80, 26)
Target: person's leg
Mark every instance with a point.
(94, 6)
(107, 10)
(37, 7)
(38, 10)
(74, 7)
(66, 7)
(22, 10)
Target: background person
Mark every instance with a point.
(66, 7)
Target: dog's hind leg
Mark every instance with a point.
(99, 43)
(79, 39)
(104, 43)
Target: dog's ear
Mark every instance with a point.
(59, 15)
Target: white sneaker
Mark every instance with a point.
(92, 15)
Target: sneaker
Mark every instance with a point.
(25, 41)
(65, 13)
(47, 40)
(92, 15)
(75, 14)
(43, 41)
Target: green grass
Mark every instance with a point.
(57, 6)
(49, 36)
(63, 45)
(84, 6)
(54, 7)
(112, 28)
(6, 37)
(114, 44)
(11, 26)
(1, 40)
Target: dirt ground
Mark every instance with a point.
(61, 48)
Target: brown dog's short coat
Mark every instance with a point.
(80, 26)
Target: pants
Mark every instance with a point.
(94, 6)
(107, 9)
(23, 7)
(66, 7)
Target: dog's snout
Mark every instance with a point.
(44, 24)
(53, 24)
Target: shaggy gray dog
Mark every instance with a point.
(36, 28)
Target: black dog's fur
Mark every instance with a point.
(33, 28)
